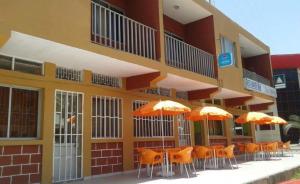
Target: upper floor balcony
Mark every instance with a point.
(111, 28)
(258, 83)
(187, 57)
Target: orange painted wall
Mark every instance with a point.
(260, 64)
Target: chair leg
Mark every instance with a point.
(204, 164)
(139, 171)
(237, 166)
(187, 173)
(171, 169)
(151, 171)
(194, 167)
(230, 163)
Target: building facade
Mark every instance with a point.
(73, 71)
(286, 78)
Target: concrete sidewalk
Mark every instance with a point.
(247, 172)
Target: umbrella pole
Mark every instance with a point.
(162, 130)
(207, 130)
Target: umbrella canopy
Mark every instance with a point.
(254, 117)
(157, 108)
(208, 113)
(277, 120)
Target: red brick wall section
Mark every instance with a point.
(107, 158)
(218, 142)
(151, 145)
(20, 164)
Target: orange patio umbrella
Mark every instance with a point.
(208, 113)
(277, 120)
(254, 117)
(158, 108)
(161, 108)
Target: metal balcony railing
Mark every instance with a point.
(112, 29)
(187, 57)
(254, 76)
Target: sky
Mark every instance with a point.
(275, 22)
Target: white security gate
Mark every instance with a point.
(68, 136)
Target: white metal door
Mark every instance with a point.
(68, 136)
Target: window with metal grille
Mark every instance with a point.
(216, 128)
(184, 131)
(19, 112)
(147, 127)
(158, 91)
(182, 95)
(21, 65)
(106, 80)
(68, 74)
(106, 117)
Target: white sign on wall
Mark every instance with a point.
(259, 87)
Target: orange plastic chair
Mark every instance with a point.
(202, 153)
(287, 147)
(271, 149)
(251, 148)
(182, 157)
(149, 157)
(229, 154)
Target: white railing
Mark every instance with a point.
(117, 31)
(187, 57)
(254, 76)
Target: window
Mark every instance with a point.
(266, 127)
(19, 111)
(21, 65)
(241, 129)
(106, 117)
(157, 91)
(184, 132)
(151, 126)
(106, 80)
(68, 74)
(216, 128)
(213, 101)
(228, 46)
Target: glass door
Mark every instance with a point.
(68, 136)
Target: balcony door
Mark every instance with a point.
(67, 136)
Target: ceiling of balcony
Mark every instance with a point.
(42, 50)
(249, 48)
(182, 84)
(224, 93)
(184, 11)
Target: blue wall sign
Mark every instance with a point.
(225, 60)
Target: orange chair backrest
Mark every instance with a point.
(148, 156)
(202, 152)
(287, 145)
(185, 155)
(251, 148)
(229, 151)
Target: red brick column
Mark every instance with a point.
(107, 158)
(218, 142)
(20, 164)
(150, 145)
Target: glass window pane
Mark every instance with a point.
(4, 102)
(5, 62)
(24, 113)
(28, 66)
